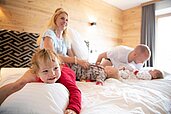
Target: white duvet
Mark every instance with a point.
(115, 97)
(136, 97)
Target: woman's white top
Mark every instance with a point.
(60, 44)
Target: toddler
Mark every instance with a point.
(99, 73)
(134, 74)
(46, 65)
(96, 73)
(144, 75)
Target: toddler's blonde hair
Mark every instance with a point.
(43, 55)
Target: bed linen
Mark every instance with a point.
(115, 97)
(129, 97)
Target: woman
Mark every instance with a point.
(55, 38)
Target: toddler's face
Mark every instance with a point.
(49, 73)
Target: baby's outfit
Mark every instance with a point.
(143, 75)
(94, 73)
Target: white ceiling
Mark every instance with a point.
(125, 4)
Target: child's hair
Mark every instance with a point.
(159, 74)
(43, 55)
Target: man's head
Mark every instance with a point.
(140, 54)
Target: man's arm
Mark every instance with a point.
(100, 57)
(11, 88)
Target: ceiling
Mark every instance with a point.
(125, 4)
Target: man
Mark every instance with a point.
(124, 56)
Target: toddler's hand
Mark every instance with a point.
(69, 111)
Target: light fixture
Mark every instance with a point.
(92, 23)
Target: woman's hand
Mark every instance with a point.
(83, 63)
(69, 111)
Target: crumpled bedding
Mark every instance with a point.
(128, 97)
(114, 97)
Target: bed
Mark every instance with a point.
(114, 97)
(127, 97)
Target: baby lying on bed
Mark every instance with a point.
(99, 73)
(136, 74)
(124, 73)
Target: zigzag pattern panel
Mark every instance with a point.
(16, 48)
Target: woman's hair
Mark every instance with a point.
(52, 23)
(43, 55)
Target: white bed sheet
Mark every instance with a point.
(129, 97)
(115, 97)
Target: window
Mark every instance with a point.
(163, 43)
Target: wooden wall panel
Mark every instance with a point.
(131, 26)
(114, 26)
(33, 16)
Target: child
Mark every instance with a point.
(143, 75)
(94, 73)
(45, 64)
(99, 73)
(46, 69)
(134, 74)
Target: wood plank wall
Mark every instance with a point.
(114, 26)
(131, 28)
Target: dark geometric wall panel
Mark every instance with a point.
(16, 48)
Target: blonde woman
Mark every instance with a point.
(55, 38)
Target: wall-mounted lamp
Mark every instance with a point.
(92, 23)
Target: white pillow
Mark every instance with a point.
(37, 98)
(78, 45)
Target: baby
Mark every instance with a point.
(144, 75)
(134, 74)
(94, 73)
(99, 73)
